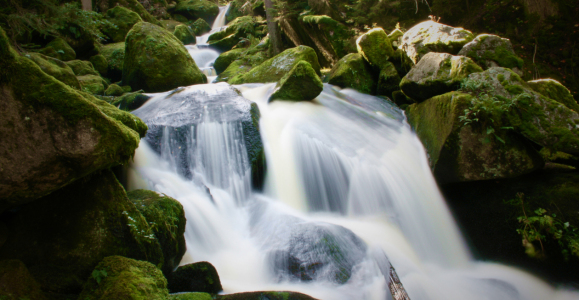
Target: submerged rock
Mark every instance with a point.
(375, 47)
(184, 34)
(196, 277)
(492, 51)
(59, 49)
(300, 84)
(55, 68)
(82, 67)
(123, 20)
(17, 283)
(353, 71)
(156, 61)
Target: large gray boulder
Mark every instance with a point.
(489, 51)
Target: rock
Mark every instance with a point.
(59, 49)
(238, 29)
(123, 19)
(395, 36)
(353, 71)
(559, 157)
(194, 9)
(301, 83)
(401, 100)
(234, 72)
(17, 283)
(55, 68)
(131, 101)
(134, 5)
(115, 56)
(196, 277)
(225, 59)
(459, 150)
(276, 67)
(156, 61)
(388, 80)
(82, 67)
(436, 74)
(190, 296)
(92, 84)
(118, 277)
(169, 24)
(200, 27)
(430, 36)
(82, 223)
(114, 90)
(265, 295)
(402, 62)
(375, 47)
(492, 51)
(167, 219)
(553, 89)
(184, 34)
(225, 44)
(52, 133)
(100, 64)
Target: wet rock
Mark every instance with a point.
(115, 57)
(353, 71)
(114, 90)
(301, 83)
(225, 59)
(123, 20)
(492, 51)
(17, 283)
(131, 101)
(184, 34)
(553, 89)
(237, 30)
(200, 27)
(194, 9)
(375, 47)
(59, 49)
(82, 67)
(92, 84)
(55, 68)
(388, 80)
(196, 277)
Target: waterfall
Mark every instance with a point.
(348, 191)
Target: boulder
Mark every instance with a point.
(115, 57)
(301, 83)
(100, 64)
(82, 223)
(167, 219)
(82, 67)
(17, 283)
(131, 101)
(134, 5)
(200, 27)
(196, 277)
(430, 36)
(276, 67)
(436, 74)
(395, 36)
(194, 9)
(156, 61)
(55, 68)
(238, 29)
(184, 34)
(114, 90)
(123, 20)
(489, 51)
(52, 133)
(375, 47)
(169, 24)
(190, 296)
(92, 84)
(225, 59)
(388, 80)
(265, 295)
(117, 277)
(234, 72)
(353, 71)
(59, 49)
(553, 89)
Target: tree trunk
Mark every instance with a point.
(274, 35)
(86, 5)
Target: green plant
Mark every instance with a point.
(99, 275)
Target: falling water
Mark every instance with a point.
(348, 192)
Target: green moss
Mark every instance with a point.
(194, 9)
(82, 67)
(375, 47)
(115, 56)
(388, 80)
(352, 71)
(123, 20)
(190, 296)
(92, 84)
(133, 5)
(198, 277)
(55, 68)
(114, 90)
(184, 34)
(100, 64)
(131, 101)
(226, 58)
(301, 83)
(59, 49)
(554, 90)
(200, 27)
(514, 89)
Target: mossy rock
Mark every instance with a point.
(194, 9)
(92, 84)
(17, 283)
(166, 217)
(123, 20)
(184, 34)
(234, 72)
(436, 74)
(82, 67)
(54, 134)
(55, 68)
(402, 62)
(114, 90)
(196, 277)
(100, 64)
(170, 25)
(200, 27)
(492, 51)
(83, 223)
(190, 296)
(225, 59)
(430, 36)
(265, 295)
(117, 277)
(59, 49)
(134, 5)
(276, 67)
(353, 71)
(226, 43)
(401, 100)
(553, 89)
(237, 30)
(131, 101)
(395, 36)
(388, 80)
(560, 158)
(156, 61)
(301, 83)
(375, 47)
(115, 56)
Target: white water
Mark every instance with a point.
(347, 159)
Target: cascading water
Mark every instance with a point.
(348, 191)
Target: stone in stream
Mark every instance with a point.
(184, 34)
(301, 83)
(353, 71)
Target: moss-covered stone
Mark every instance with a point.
(114, 90)
(375, 47)
(430, 36)
(190, 296)
(238, 29)
(234, 72)
(196, 277)
(436, 74)
(166, 217)
(276, 67)
(184, 34)
(301, 83)
(330, 38)
(82, 67)
(265, 295)
(131, 101)
(395, 37)
(169, 24)
(353, 71)
(100, 64)
(200, 27)
(553, 89)
(82, 223)
(225, 59)
(123, 20)
(134, 5)
(115, 56)
(194, 9)
(559, 157)
(117, 277)
(492, 51)
(59, 49)
(401, 100)
(388, 80)
(156, 61)
(55, 68)
(92, 84)
(16, 282)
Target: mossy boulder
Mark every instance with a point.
(553, 89)
(276, 67)
(265, 295)
(115, 57)
(375, 47)
(301, 83)
(55, 68)
(92, 84)
(123, 20)
(353, 71)
(234, 72)
(100, 64)
(52, 133)
(190, 296)
(459, 150)
(59, 49)
(114, 90)
(156, 61)
(196, 277)
(200, 27)
(117, 277)
(388, 80)
(184, 34)
(430, 36)
(169, 24)
(16, 282)
(436, 74)
(492, 51)
(225, 59)
(131, 101)
(82, 67)
(236, 30)
(166, 217)
(82, 224)
(194, 9)
(134, 5)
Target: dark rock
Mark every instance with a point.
(196, 277)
